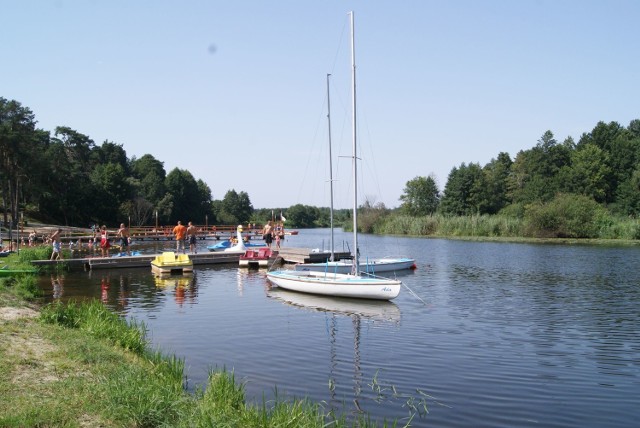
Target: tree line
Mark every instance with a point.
(557, 188)
(65, 178)
(603, 166)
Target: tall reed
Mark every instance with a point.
(454, 226)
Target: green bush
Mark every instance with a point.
(515, 210)
(26, 255)
(565, 216)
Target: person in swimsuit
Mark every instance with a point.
(267, 233)
(192, 236)
(104, 241)
(123, 234)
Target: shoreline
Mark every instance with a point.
(83, 365)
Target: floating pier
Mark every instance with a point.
(90, 263)
(285, 255)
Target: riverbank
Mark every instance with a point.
(82, 365)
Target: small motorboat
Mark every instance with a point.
(257, 257)
(171, 263)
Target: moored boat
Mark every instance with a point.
(226, 244)
(355, 284)
(171, 263)
(257, 257)
(385, 264)
(238, 245)
(337, 284)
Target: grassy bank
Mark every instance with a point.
(82, 365)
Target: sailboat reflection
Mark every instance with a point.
(358, 310)
(378, 310)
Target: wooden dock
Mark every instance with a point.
(90, 263)
(285, 255)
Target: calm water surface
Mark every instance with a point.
(511, 334)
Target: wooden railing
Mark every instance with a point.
(136, 232)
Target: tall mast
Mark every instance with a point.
(331, 258)
(356, 256)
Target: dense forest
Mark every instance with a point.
(67, 179)
(604, 166)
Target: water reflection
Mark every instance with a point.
(379, 310)
(105, 285)
(246, 276)
(358, 310)
(57, 285)
(183, 287)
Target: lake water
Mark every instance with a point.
(509, 335)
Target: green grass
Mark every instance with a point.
(82, 365)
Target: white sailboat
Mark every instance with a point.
(371, 267)
(355, 284)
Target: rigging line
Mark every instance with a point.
(413, 294)
(340, 45)
(321, 116)
(311, 157)
(371, 165)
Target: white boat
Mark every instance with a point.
(354, 284)
(385, 264)
(337, 284)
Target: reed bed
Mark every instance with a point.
(604, 227)
(459, 226)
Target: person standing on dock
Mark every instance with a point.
(123, 234)
(279, 234)
(267, 233)
(180, 233)
(104, 241)
(192, 232)
(56, 244)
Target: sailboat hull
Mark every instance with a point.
(371, 267)
(335, 284)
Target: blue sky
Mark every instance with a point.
(235, 91)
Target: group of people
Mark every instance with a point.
(272, 232)
(101, 239)
(31, 241)
(182, 234)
